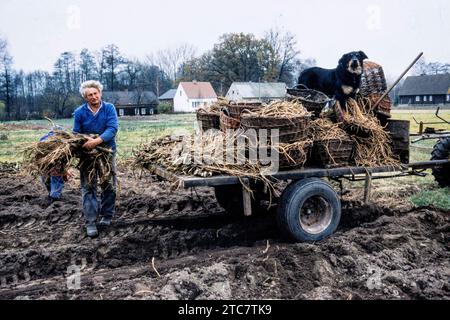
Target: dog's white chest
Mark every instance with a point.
(347, 89)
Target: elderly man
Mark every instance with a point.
(97, 117)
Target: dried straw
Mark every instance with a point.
(298, 149)
(202, 155)
(60, 151)
(280, 109)
(373, 146)
(324, 131)
(216, 107)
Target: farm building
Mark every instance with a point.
(192, 95)
(254, 91)
(168, 96)
(425, 90)
(132, 103)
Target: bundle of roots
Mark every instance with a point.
(204, 155)
(280, 109)
(324, 129)
(63, 150)
(216, 107)
(331, 137)
(294, 154)
(373, 143)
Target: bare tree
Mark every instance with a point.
(422, 67)
(285, 54)
(171, 60)
(6, 76)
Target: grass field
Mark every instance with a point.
(14, 136)
(424, 116)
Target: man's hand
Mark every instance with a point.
(92, 143)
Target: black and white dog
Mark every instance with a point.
(340, 83)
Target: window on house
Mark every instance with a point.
(151, 111)
(121, 112)
(430, 98)
(424, 98)
(181, 93)
(143, 111)
(136, 111)
(417, 99)
(448, 98)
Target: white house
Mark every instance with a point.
(192, 95)
(256, 91)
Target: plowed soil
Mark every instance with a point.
(167, 244)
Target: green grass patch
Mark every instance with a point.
(438, 198)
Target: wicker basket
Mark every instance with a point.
(314, 101)
(332, 153)
(373, 86)
(208, 120)
(300, 159)
(290, 129)
(237, 109)
(384, 107)
(227, 122)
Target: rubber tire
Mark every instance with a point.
(441, 151)
(229, 197)
(293, 198)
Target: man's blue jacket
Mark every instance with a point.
(104, 123)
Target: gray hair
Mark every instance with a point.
(90, 84)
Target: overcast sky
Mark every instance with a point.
(391, 32)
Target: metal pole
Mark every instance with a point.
(398, 80)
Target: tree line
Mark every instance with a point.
(274, 57)
(55, 94)
(236, 57)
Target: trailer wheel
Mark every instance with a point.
(441, 151)
(229, 197)
(309, 210)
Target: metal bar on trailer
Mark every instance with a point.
(189, 182)
(428, 164)
(431, 137)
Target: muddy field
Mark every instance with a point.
(181, 245)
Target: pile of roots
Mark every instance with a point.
(280, 109)
(216, 107)
(63, 150)
(373, 145)
(208, 153)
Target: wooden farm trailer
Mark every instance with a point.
(309, 208)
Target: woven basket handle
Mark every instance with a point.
(247, 111)
(301, 86)
(225, 111)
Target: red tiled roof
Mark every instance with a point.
(199, 90)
